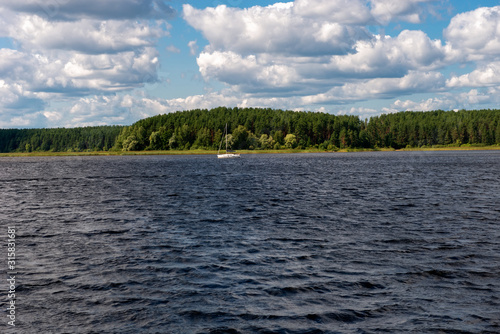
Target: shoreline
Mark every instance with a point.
(212, 152)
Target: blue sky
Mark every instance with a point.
(67, 63)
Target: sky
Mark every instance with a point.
(69, 63)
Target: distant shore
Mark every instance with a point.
(212, 152)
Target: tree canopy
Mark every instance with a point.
(264, 128)
(254, 128)
(99, 138)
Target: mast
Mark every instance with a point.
(220, 145)
(222, 139)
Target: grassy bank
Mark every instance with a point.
(103, 153)
(170, 152)
(212, 152)
(454, 148)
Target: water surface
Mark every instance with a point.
(383, 242)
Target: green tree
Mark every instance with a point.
(279, 137)
(290, 141)
(266, 142)
(343, 138)
(172, 142)
(155, 141)
(497, 133)
(203, 139)
(364, 139)
(230, 141)
(131, 144)
(240, 137)
(217, 139)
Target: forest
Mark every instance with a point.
(252, 128)
(98, 138)
(261, 129)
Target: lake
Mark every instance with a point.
(379, 242)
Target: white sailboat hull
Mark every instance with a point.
(228, 155)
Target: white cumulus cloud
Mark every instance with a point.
(413, 82)
(385, 11)
(475, 35)
(70, 48)
(311, 47)
(69, 10)
(340, 11)
(485, 75)
(248, 73)
(85, 36)
(276, 29)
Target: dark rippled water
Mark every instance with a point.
(393, 242)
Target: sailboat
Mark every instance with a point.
(229, 153)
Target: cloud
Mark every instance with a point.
(299, 28)
(350, 92)
(276, 29)
(18, 72)
(362, 112)
(110, 9)
(15, 65)
(277, 74)
(18, 107)
(128, 108)
(100, 110)
(32, 120)
(84, 36)
(434, 103)
(310, 48)
(385, 11)
(379, 88)
(475, 35)
(193, 48)
(387, 57)
(173, 49)
(472, 99)
(340, 11)
(72, 49)
(31, 81)
(112, 73)
(14, 98)
(73, 74)
(486, 75)
(246, 73)
(106, 109)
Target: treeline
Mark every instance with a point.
(446, 128)
(97, 138)
(256, 128)
(251, 128)
(248, 128)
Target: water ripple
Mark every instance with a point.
(358, 243)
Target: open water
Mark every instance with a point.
(383, 242)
